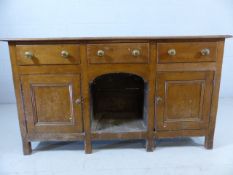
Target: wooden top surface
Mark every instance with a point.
(120, 38)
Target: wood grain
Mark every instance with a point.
(209, 138)
(48, 85)
(118, 53)
(185, 99)
(198, 37)
(48, 54)
(50, 103)
(186, 52)
(27, 149)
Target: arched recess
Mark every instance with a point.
(118, 102)
(95, 73)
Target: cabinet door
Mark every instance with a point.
(50, 103)
(183, 100)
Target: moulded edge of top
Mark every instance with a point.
(120, 38)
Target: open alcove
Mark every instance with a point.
(118, 103)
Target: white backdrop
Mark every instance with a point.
(74, 18)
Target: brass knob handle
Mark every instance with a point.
(28, 54)
(79, 100)
(64, 54)
(159, 100)
(136, 52)
(205, 51)
(69, 117)
(171, 52)
(100, 53)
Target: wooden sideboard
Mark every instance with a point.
(70, 89)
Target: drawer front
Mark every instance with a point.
(187, 52)
(118, 53)
(48, 54)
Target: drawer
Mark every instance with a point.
(118, 53)
(186, 52)
(48, 54)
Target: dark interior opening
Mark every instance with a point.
(117, 103)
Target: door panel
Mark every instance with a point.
(51, 104)
(183, 100)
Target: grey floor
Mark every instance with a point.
(172, 156)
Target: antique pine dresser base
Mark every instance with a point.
(70, 89)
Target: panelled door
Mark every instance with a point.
(52, 103)
(183, 100)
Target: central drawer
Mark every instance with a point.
(118, 53)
